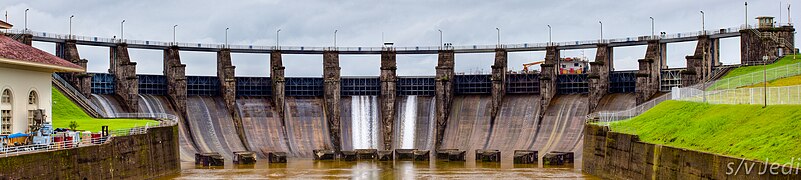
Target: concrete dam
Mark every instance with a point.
(544, 111)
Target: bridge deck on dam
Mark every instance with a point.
(148, 44)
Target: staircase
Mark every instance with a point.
(73, 94)
(778, 40)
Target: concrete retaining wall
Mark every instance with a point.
(612, 155)
(144, 156)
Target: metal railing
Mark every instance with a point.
(785, 95)
(757, 77)
(63, 83)
(409, 48)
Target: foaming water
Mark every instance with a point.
(364, 123)
(408, 122)
(109, 108)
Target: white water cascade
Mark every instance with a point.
(105, 105)
(364, 123)
(408, 122)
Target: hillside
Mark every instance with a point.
(748, 131)
(65, 111)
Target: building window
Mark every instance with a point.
(33, 105)
(6, 106)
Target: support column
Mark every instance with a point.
(649, 71)
(175, 73)
(126, 84)
(444, 92)
(331, 87)
(599, 75)
(279, 90)
(765, 41)
(388, 95)
(81, 81)
(498, 82)
(699, 65)
(548, 78)
(226, 72)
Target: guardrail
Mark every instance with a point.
(757, 77)
(164, 121)
(410, 48)
(58, 79)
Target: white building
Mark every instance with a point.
(25, 83)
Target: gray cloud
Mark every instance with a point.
(361, 23)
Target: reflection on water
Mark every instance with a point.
(310, 169)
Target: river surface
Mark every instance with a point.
(310, 169)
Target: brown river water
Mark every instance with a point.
(311, 169)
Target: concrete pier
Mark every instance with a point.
(649, 71)
(126, 83)
(226, 72)
(444, 92)
(599, 75)
(82, 81)
(331, 94)
(548, 77)
(498, 82)
(175, 73)
(279, 90)
(389, 80)
(699, 65)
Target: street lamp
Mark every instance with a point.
(602, 30)
(746, 14)
(122, 29)
(335, 38)
(652, 26)
(276, 38)
(26, 19)
(72, 16)
(499, 36)
(550, 40)
(173, 35)
(226, 37)
(765, 79)
(440, 38)
(703, 26)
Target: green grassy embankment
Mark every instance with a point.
(731, 79)
(747, 131)
(788, 81)
(65, 111)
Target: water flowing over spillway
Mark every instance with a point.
(212, 126)
(515, 126)
(414, 124)
(563, 124)
(307, 128)
(107, 104)
(263, 125)
(360, 123)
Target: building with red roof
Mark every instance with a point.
(25, 83)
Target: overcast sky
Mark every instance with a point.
(362, 23)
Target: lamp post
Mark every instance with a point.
(173, 35)
(335, 37)
(703, 26)
(499, 36)
(122, 29)
(746, 14)
(276, 38)
(765, 79)
(602, 30)
(440, 38)
(226, 37)
(26, 19)
(550, 40)
(652, 26)
(72, 16)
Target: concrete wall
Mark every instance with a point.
(498, 81)
(40, 82)
(754, 46)
(144, 156)
(649, 71)
(444, 92)
(612, 155)
(69, 51)
(175, 73)
(331, 93)
(599, 75)
(548, 77)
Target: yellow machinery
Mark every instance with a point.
(526, 65)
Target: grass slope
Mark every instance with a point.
(788, 81)
(65, 111)
(747, 131)
(749, 69)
